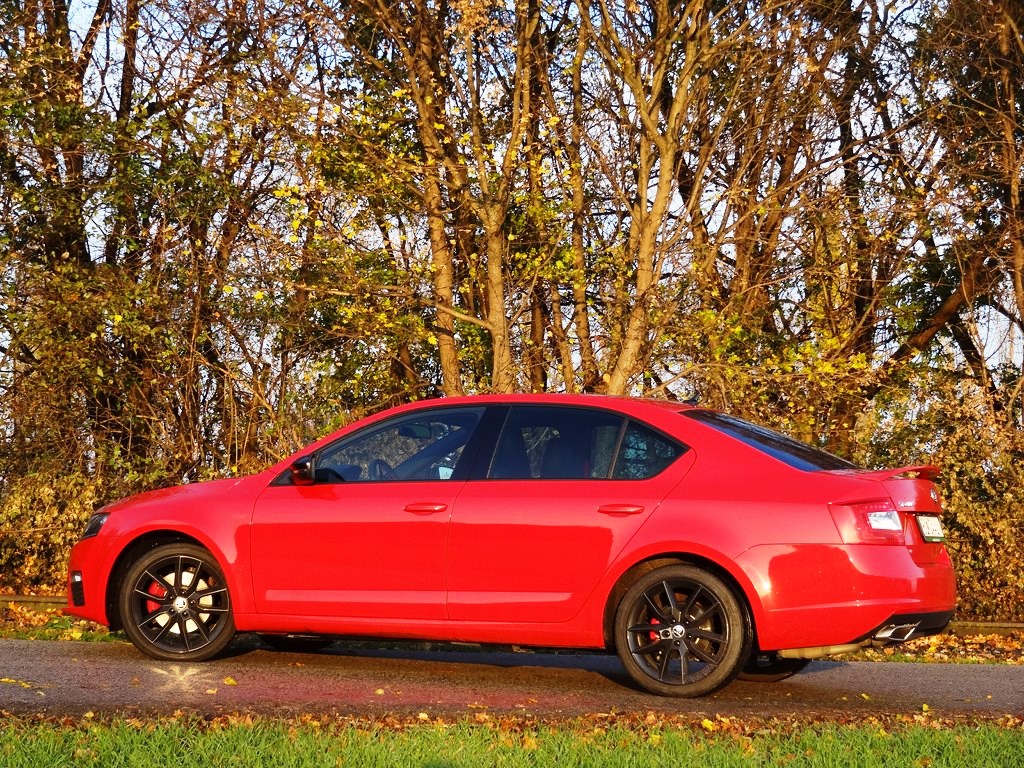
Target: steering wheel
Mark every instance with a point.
(378, 469)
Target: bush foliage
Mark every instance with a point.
(227, 228)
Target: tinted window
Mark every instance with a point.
(539, 442)
(578, 443)
(794, 453)
(644, 453)
(424, 446)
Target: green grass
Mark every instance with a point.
(20, 623)
(510, 744)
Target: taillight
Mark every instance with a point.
(868, 522)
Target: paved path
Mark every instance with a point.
(71, 678)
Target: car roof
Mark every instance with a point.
(615, 402)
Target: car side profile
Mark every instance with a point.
(697, 546)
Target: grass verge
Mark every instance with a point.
(596, 741)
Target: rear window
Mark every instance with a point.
(792, 452)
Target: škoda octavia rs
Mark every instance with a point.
(697, 546)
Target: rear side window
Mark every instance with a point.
(549, 443)
(792, 452)
(644, 453)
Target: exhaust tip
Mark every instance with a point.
(894, 633)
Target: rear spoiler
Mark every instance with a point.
(914, 472)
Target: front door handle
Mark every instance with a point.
(621, 509)
(426, 508)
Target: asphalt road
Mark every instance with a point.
(73, 678)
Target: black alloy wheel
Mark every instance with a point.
(175, 604)
(681, 631)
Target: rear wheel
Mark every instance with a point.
(175, 605)
(681, 631)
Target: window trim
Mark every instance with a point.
(488, 450)
(461, 471)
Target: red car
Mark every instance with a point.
(698, 546)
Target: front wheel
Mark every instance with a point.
(175, 604)
(681, 631)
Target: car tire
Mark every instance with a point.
(175, 605)
(681, 631)
(770, 668)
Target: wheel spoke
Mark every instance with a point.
(703, 634)
(700, 618)
(211, 592)
(160, 579)
(651, 648)
(674, 613)
(684, 665)
(146, 624)
(151, 598)
(645, 629)
(182, 622)
(663, 668)
(179, 571)
(194, 571)
(203, 609)
(656, 609)
(697, 651)
(692, 600)
(200, 626)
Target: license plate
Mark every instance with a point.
(931, 528)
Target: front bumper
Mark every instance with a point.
(89, 569)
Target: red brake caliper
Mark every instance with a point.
(156, 591)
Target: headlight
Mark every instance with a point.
(95, 523)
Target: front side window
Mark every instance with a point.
(424, 446)
(554, 443)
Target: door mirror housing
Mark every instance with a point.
(303, 471)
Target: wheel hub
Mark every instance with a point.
(180, 604)
(676, 632)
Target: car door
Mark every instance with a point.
(565, 490)
(366, 538)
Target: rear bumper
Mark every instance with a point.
(823, 596)
(896, 629)
(907, 626)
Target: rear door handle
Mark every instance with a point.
(426, 508)
(621, 509)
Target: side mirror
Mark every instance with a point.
(303, 471)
